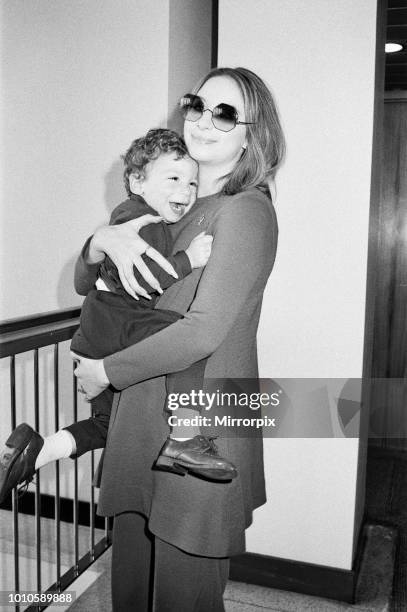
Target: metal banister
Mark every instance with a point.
(31, 334)
(41, 318)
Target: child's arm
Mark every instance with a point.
(183, 262)
(125, 246)
(158, 237)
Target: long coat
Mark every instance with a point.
(222, 304)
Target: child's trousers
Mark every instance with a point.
(109, 323)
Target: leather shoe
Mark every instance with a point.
(198, 456)
(17, 458)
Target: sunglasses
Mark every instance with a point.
(224, 116)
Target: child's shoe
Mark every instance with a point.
(17, 458)
(198, 455)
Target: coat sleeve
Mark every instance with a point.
(243, 252)
(157, 237)
(86, 274)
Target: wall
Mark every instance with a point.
(322, 72)
(80, 80)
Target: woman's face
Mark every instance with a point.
(207, 144)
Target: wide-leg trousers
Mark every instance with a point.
(149, 574)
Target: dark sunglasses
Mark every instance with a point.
(224, 116)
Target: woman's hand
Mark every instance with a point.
(125, 247)
(91, 375)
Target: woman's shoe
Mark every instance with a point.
(198, 455)
(17, 458)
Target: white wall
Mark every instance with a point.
(80, 81)
(321, 69)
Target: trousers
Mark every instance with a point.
(150, 575)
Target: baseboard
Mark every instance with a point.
(305, 578)
(252, 568)
(389, 452)
(26, 505)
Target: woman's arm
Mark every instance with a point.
(86, 272)
(243, 252)
(125, 248)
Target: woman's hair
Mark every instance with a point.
(265, 150)
(150, 147)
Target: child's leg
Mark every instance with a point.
(186, 450)
(26, 451)
(91, 433)
(183, 383)
(81, 437)
(109, 323)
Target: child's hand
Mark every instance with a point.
(199, 250)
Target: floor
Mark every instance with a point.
(386, 503)
(373, 594)
(27, 556)
(382, 584)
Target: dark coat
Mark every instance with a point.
(222, 303)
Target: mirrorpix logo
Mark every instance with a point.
(278, 408)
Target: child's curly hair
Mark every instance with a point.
(150, 147)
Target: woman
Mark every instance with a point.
(180, 530)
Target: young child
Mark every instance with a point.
(160, 179)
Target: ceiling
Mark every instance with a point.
(396, 63)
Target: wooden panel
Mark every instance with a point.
(397, 17)
(396, 70)
(396, 58)
(397, 33)
(390, 338)
(394, 4)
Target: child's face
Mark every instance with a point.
(169, 185)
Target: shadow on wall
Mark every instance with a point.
(115, 191)
(175, 121)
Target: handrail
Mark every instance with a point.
(35, 331)
(41, 318)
